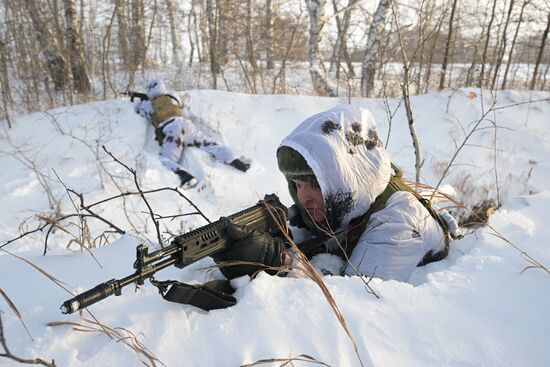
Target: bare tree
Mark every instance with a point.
(502, 48)
(55, 62)
(316, 10)
(137, 34)
(193, 32)
(486, 47)
(433, 48)
(368, 68)
(249, 39)
(447, 46)
(123, 33)
(419, 162)
(541, 51)
(342, 27)
(4, 81)
(511, 52)
(224, 20)
(177, 49)
(269, 34)
(81, 81)
(212, 41)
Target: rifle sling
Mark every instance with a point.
(212, 295)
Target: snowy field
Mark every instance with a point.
(485, 305)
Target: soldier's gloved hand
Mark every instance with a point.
(250, 246)
(295, 216)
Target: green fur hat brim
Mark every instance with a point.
(291, 163)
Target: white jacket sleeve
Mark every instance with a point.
(144, 109)
(396, 239)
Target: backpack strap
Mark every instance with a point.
(159, 130)
(212, 295)
(359, 224)
(396, 183)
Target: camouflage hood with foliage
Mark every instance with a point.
(342, 148)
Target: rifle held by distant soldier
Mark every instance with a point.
(132, 95)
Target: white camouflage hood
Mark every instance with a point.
(342, 148)
(155, 88)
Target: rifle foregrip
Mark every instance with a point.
(91, 296)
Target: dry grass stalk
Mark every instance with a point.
(9, 355)
(15, 311)
(119, 334)
(312, 274)
(287, 361)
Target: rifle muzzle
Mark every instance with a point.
(91, 296)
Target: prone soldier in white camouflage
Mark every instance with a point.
(175, 132)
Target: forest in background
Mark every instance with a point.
(60, 52)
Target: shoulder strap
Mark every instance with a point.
(212, 295)
(396, 183)
(358, 225)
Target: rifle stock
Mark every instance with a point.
(269, 215)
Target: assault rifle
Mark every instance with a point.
(269, 215)
(132, 95)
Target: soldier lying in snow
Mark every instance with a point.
(340, 178)
(174, 132)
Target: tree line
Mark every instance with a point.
(56, 52)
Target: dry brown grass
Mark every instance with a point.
(119, 334)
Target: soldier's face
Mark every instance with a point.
(311, 198)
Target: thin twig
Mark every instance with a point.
(133, 172)
(9, 355)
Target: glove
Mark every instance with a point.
(295, 217)
(250, 246)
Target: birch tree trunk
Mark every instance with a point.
(175, 35)
(316, 22)
(191, 19)
(55, 62)
(419, 161)
(81, 81)
(376, 27)
(541, 52)
(447, 47)
(269, 34)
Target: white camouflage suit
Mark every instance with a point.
(179, 132)
(352, 168)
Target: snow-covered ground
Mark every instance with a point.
(478, 307)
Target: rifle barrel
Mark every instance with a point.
(113, 286)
